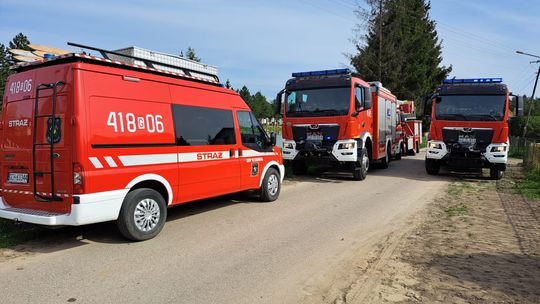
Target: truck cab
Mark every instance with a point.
(469, 126)
(331, 117)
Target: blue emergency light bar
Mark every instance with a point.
(322, 73)
(474, 80)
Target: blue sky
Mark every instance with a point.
(259, 43)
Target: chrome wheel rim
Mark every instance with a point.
(273, 184)
(147, 215)
(365, 163)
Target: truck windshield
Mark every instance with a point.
(471, 107)
(319, 102)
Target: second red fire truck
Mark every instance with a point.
(410, 128)
(332, 117)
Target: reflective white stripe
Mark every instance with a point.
(110, 161)
(203, 156)
(253, 153)
(95, 161)
(149, 159)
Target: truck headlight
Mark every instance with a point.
(346, 146)
(434, 145)
(288, 145)
(498, 149)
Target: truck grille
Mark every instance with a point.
(461, 140)
(304, 133)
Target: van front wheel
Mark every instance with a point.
(271, 186)
(142, 215)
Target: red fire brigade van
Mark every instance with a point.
(88, 139)
(469, 125)
(331, 117)
(410, 127)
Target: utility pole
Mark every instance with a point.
(380, 39)
(531, 103)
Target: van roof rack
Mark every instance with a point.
(133, 62)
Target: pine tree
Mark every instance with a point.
(245, 94)
(20, 41)
(191, 55)
(401, 48)
(4, 69)
(228, 84)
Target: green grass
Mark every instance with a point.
(424, 142)
(456, 210)
(13, 233)
(530, 184)
(457, 188)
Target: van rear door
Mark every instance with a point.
(36, 143)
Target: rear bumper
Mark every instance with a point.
(93, 208)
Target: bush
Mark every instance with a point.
(533, 129)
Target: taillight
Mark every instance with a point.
(77, 179)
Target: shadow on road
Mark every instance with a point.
(511, 274)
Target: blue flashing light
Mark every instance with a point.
(322, 73)
(474, 80)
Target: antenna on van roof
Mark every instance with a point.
(150, 63)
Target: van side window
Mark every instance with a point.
(198, 126)
(253, 135)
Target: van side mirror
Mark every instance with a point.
(273, 139)
(426, 105)
(279, 99)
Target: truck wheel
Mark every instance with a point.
(361, 167)
(142, 215)
(432, 166)
(417, 147)
(386, 160)
(495, 173)
(299, 167)
(271, 186)
(400, 152)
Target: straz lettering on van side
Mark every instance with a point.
(124, 150)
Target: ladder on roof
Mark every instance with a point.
(50, 141)
(148, 62)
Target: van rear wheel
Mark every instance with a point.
(142, 215)
(271, 186)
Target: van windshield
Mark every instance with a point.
(471, 107)
(318, 102)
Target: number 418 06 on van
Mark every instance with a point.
(88, 139)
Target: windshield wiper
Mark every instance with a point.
(453, 115)
(494, 118)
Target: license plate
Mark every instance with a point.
(18, 178)
(467, 139)
(314, 136)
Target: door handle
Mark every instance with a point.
(231, 153)
(239, 152)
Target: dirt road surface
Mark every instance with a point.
(227, 250)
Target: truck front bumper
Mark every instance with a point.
(342, 151)
(494, 154)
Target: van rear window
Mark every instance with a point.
(198, 126)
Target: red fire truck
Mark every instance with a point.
(410, 128)
(331, 117)
(469, 125)
(88, 139)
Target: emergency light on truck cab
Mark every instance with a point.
(469, 125)
(94, 139)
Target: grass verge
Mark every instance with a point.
(530, 184)
(13, 233)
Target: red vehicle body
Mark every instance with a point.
(88, 140)
(410, 129)
(469, 126)
(331, 117)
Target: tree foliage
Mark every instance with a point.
(257, 103)
(190, 54)
(401, 48)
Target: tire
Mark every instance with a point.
(136, 204)
(361, 166)
(385, 162)
(417, 147)
(495, 173)
(299, 167)
(432, 166)
(271, 186)
(400, 153)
